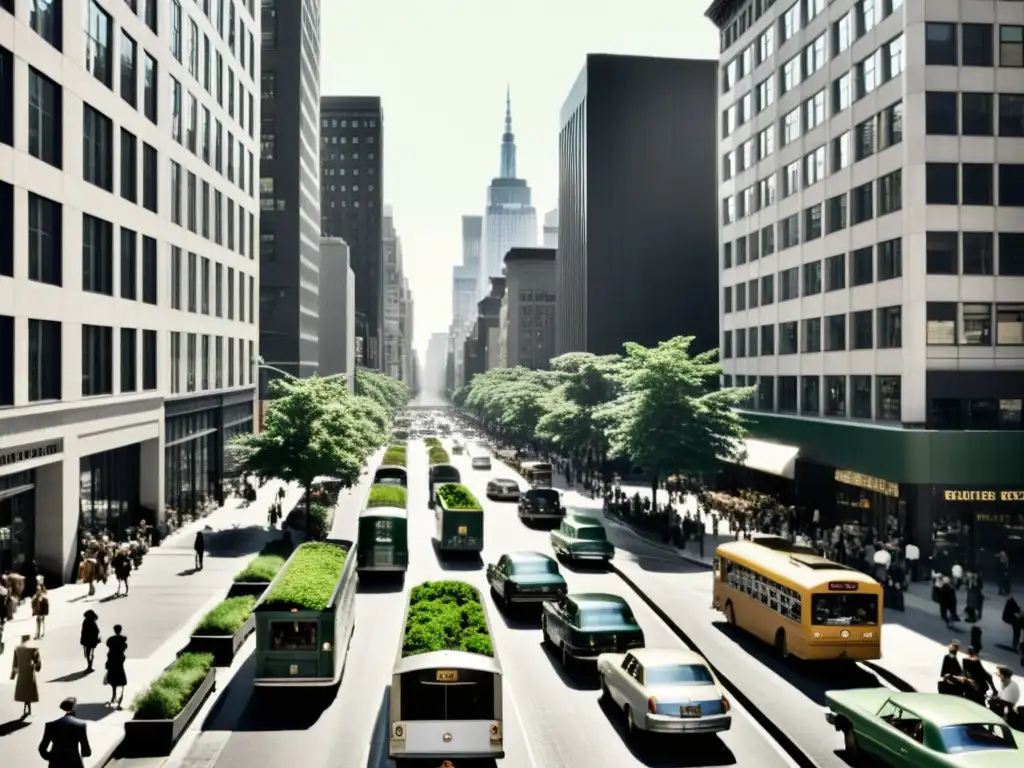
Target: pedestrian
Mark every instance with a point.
(40, 607)
(979, 679)
(1003, 572)
(200, 549)
(89, 637)
(947, 602)
(122, 569)
(26, 665)
(117, 650)
(975, 597)
(1009, 693)
(65, 740)
(951, 676)
(1012, 616)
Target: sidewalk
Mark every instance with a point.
(167, 598)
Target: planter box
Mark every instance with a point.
(156, 738)
(223, 647)
(250, 588)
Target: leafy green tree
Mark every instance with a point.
(670, 415)
(510, 401)
(584, 382)
(390, 394)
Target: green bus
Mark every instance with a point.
(391, 474)
(382, 544)
(459, 519)
(305, 619)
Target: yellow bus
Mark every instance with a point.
(803, 604)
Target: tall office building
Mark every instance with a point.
(637, 228)
(510, 220)
(127, 266)
(351, 194)
(289, 188)
(550, 235)
(466, 275)
(397, 305)
(433, 382)
(872, 261)
(338, 311)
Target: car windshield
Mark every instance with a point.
(534, 567)
(975, 737)
(835, 610)
(549, 497)
(595, 533)
(606, 616)
(679, 674)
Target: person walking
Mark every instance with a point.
(122, 569)
(200, 549)
(947, 602)
(117, 650)
(40, 607)
(24, 670)
(65, 740)
(89, 637)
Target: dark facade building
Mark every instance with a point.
(289, 192)
(636, 204)
(483, 343)
(351, 205)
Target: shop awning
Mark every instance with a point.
(771, 458)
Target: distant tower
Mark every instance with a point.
(508, 141)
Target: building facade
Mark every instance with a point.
(433, 381)
(127, 267)
(337, 311)
(550, 234)
(636, 231)
(528, 308)
(872, 261)
(289, 187)
(352, 203)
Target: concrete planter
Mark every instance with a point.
(250, 588)
(156, 738)
(223, 647)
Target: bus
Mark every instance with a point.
(391, 474)
(799, 602)
(383, 542)
(479, 456)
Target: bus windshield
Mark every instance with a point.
(840, 610)
(469, 697)
(293, 636)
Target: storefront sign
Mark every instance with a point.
(1010, 496)
(30, 452)
(868, 483)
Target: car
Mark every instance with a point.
(502, 488)
(540, 505)
(582, 538)
(584, 625)
(664, 690)
(458, 448)
(525, 577)
(922, 730)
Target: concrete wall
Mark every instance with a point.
(337, 310)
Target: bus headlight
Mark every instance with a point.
(399, 731)
(869, 635)
(326, 648)
(495, 731)
(844, 634)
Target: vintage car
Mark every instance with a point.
(664, 690)
(525, 577)
(541, 505)
(583, 626)
(582, 538)
(458, 448)
(502, 489)
(922, 730)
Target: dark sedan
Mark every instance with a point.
(583, 626)
(526, 577)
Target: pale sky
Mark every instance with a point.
(440, 68)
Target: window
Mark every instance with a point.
(890, 327)
(176, 267)
(835, 396)
(1011, 46)
(812, 223)
(176, 46)
(789, 229)
(814, 167)
(149, 270)
(977, 184)
(976, 328)
(151, 15)
(840, 93)
(840, 152)
(45, 240)
(97, 360)
(890, 192)
(861, 330)
(1010, 324)
(814, 111)
(204, 362)
(206, 63)
(865, 138)
(129, 360)
(727, 344)
(205, 292)
(942, 253)
(1011, 115)
(940, 113)
(97, 255)
(6, 105)
(941, 184)
(790, 127)
(191, 123)
(861, 389)
(190, 362)
(129, 69)
(767, 339)
(940, 44)
(206, 135)
(788, 341)
(790, 23)
(976, 45)
(1011, 254)
(862, 199)
(45, 136)
(810, 395)
(204, 200)
(789, 284)
(1011, 184)
(192, 281)
(129, 166)
(767, 290)
(98, 34)
(151, 90)
(149, 370)
(193, 49)
(741, 298)
(787, 394)
(812, 278)
(97, 149)
(44, 16)
(835, 333)
(811, 335)
(941, 318)
(890, 126)
(835, 214)
(129, 264)
(190, 201)
(218, 290)
(976, 114)
(862, 266)
(890, 259)
(149, 178)
(978, 253)
(889, 396)
(44, 360)
(766, 393)
(175, 193)
(835, 272)
(175, 362)
(218, 365)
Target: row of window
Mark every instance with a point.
(947, 44)
(974, 253)
(209, 213)
(948, 113)
(856, 396)
(199, 285)
(204, 362)
(975, 184)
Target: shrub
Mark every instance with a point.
(446, 616)
(310, 577)
(261, 569)
(321, 517)
(387, 496)
(395, 455)
(438, 455)
(432, 442)
(457, 496)
(169, 693)
(227, 617)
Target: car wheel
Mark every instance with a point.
(781, 646)
(730, 614)
(853, 753)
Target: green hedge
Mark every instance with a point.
(264, 567)
(226, 617)
(169, 693)
(446, 616)
(310, 578)
(438, 455)
(395, 456)
(432, 442)
(457, 496)
(387, 496)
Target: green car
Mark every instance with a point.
(579, 538)
(525, 577)
(922, 730)
(583, 626)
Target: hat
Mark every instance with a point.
(69, 704)
(955, 642)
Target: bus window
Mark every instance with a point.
(471, 698)
(834, 610)
(293, 635)
(383, 531)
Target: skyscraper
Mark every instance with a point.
(551, 229)
(289, 187)
(510, 220)
(351, 194)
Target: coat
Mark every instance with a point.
(65, 742)
(90, 635)
(24, 670)
(117, 647)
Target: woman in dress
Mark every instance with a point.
(117, 648)
(122, 569)
(90, 637)
(27, 664)
(40, 608)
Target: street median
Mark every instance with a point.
(222, 631)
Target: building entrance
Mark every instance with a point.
(17, 521)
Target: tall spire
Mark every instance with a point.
(508, 141)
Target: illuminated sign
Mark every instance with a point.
(447, 676)
(983, 495)
(868, 483)
(843, 586)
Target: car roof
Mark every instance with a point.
(583, 520)
(526, 557)
(942, 710)
(664, 657)
(596, 599)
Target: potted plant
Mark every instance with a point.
(261, 570)
(223, 629)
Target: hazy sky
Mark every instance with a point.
(440, 68)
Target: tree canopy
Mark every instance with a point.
(390, 394)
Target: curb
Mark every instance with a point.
(896, 682)
(668, 549)
(773, 730)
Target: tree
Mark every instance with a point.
(584, 382)
(509, 400)
(670, 415)
(390, 394)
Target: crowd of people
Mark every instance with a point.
(970, 680)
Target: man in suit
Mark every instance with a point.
(65, 741)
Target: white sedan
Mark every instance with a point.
(664, 690)
(502, 489)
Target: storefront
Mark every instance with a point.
(17, 520)
(972, 526)
(870, 502)
(108, 495)
(237, 421)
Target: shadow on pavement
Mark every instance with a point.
(583, 566)
(519, 617)
(580, 676)
(187, 572)
(71, 677)
(668, 564)
(236, 541)
(273, 709)
(846, 759)
(457, 561)
(13, 726)
(93, 711)
(662, 750)
(812, 678)
(380, 583)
